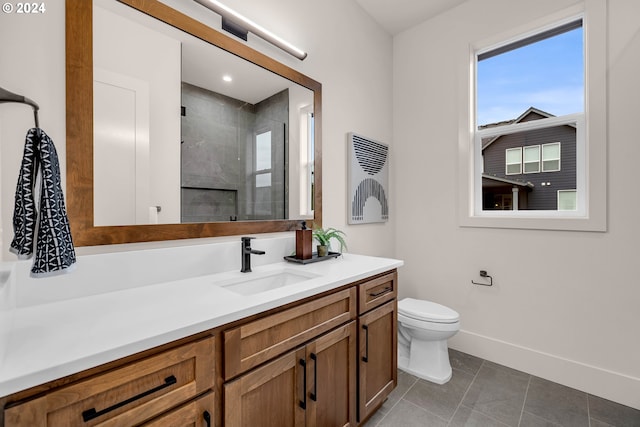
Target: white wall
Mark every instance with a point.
(134, 52)
(565, 305)
(31, 64)
(348, 53)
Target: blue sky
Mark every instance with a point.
(547, 75)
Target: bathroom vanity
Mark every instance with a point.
(318, 352)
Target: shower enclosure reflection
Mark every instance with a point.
(233, 157)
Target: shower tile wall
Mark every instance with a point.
(217, 150)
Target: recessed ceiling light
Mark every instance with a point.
(227, 78)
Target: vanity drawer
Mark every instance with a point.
(127, 395)
(256, 342)
(377, 291)
(198, 412)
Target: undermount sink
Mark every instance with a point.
(258, 282)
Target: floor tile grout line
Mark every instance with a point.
(427, 411)
(398, 401)
(465, 392)
(524, 402)
(588, 410)
(486, 415)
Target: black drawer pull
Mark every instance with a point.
(90, 414)
(365, 358)
(382, 292)
(314, 395)
(207, 418)
(303, 403)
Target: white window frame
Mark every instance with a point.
(507, 163)
(559, 159)
(558, 199)
(259, 175)
(525, 162)
(307, 148)
(592, 151)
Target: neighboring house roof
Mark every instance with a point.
(518, 119)
(488, 141)
(508, 181)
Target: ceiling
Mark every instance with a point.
(204, 66)
(395, 16)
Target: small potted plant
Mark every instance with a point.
(324, 236)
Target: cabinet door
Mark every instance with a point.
(331, 370)
(197, 413)
(378, 357)
(269, 396)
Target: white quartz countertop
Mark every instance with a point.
(49, 341)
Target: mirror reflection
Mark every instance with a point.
(185, 132)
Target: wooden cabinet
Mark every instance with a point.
(196, 413)
(313, 385)
(268, 396)
(249, 345)
(327, 362)
(378, 343)
(129, 395)
(331, 370)
(377, 291)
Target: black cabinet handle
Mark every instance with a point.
(303, 403)
(90, 414)
(382, 292)
(365, 358)
(314, 395)
(207, 418)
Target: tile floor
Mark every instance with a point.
(484, 394)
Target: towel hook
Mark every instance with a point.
(483, 273)
(6, 96)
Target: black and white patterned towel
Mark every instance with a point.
(54, 245)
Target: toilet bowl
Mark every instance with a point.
(423, 330)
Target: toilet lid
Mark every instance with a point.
(427, 311)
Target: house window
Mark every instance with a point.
(571, 43)
(263, 160)
(531, 159)
(514, 161)
(307, 161)
(567, 200)
(551, 157)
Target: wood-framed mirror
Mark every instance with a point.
(80, 132)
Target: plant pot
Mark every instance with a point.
(323, 250)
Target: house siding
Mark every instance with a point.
(540, 197)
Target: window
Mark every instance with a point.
(493, 120)
(551, 157)
(567, 200)
(307, 161)
(514, 161)
(263, 159)
(522, 79)
(531, 159)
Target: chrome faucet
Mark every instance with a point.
(246, 254)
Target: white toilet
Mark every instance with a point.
(423, 330)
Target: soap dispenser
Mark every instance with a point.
(304, 242)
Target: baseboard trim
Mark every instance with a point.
(600, 382)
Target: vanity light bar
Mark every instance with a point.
(251, 26)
